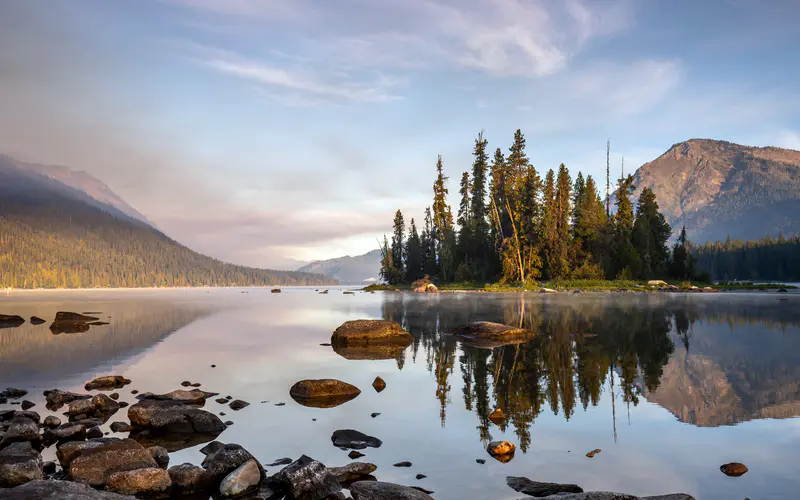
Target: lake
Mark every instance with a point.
(668, 386)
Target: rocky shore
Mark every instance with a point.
(135, 462)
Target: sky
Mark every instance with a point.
(269, 132)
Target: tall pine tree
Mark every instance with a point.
(398, 237)
(415, 256)
(480, 244)
(650, 235)
(626, 261)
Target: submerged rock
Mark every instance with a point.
(145, 482)
(193, 397)
(355, 440)
(538, 489)
(733, 469)
(376, 490)
(238, 404)
(371, 331)
(306, 478)
(47, 489)
(485, 334)
(19, 464)
(107, 383)
(403, 464)
(13, 393)
(323, 393)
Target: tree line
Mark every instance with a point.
(513, 226)
(773, 259)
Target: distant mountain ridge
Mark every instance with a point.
(348, 270)
(718, 188)
(53, 235)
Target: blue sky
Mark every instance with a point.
(268, 131)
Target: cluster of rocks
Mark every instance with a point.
(64, 322)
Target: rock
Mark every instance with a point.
(426, 288)
(134, 391)
(12, 393)
(352, 471)
(592, 453)
(537, 489)
(485, 334)
(280, 404)
(280, 461)
(245, 479)
(87, 422)
(121, 427)
(59, 328)
(378, 384)
(21, 429)
(196, 384)
(421, 476)
(306, 478)
(420, 488)
(114, 396)
(376, 490)
(403, 464)
(369, 351)
(186, 383)
(193, 397)
(104, 404)
(323, 393)
(222, 460)
(67, 317)
(146, 482)
(64, 434)
(52, 421)
(238, 404)
(733, 469)
(188, 479)
(19, 464)
(221, 401)
(373, 415)
(49, 468)
(95, 461)
(480, 461)
(548, 290)
(57, 398)
(46, 489)
(107, 383)
(656, 283)
(501, 449)
(100, 406)
(366, 332)
(355, 454)
(9, 321)
(160, 455)
(783, 290)
(173, 417)
(229, 423)
(27, 405)
(355, 440)
(36, 320)
(497, 416)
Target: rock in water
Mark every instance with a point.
(36, 320)
(107, 383)
(354, 440)
(355, 454)
(733, 469)
(8, 321)
(193, 397)
(537, 489)
(173, 417)
(489, 335)
(323, 393)
(403, 464)
(376, 490)
(223, 459)
(52, 421)
(67, 317)
(121, 427)
(241, 481)
(95, 461)
(276, 290)
(160, 455)
(306, 478)
(65, 433)
(369, 351)
(145, 482)
(46, 489)
(497, 416)
(56, 398)
(378, 384)
(371, 331)
(352, 471)
(238, 404)
(19, 464)
(94, 432)
(592, 453)
(21, 429)
(188, 479)
(501, 449)
(281, 461)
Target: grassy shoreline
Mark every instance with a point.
(588, 285)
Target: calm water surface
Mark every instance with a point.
(668, 386)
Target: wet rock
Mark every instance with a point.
(27, 405)
(485, 334)
(378, 384)
(592, 453)
(107, 383)
(67, 317)
(64, 434)
(403, 464)
(323, 393)
(21, 429)
(420, 488)
(114, 396)
(480, 461)
(188, 479)
(355, 440)
(11, 321)
(500, 449)
(733, 469)
(134, 391)
(783, 290)
(421, 476)
(376, 490)
(538, 489)
(280, 461)
(306, 478)
(160, 455)
(93, 462)
(49, 468)
(229, 423)
(355, 454)
(88, 422)
(366, 332)
(275, 290)
(222, 459)
(12, 393)
(52, 421)
(173, 417)
(186, 383)
(100, 406)
(46, 489)
(36, 320)
(238, 404)
(146, 482)
(121, 427)
(57, 398)
(193, 397)
(19, 464)
(373, 415)
(94, 432)
(497, 416)
(280, 404)
(352, 471)
(245, 479)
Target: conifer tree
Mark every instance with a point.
(549, 223)
(398, 238)
(625, 257)
(679, 267)
(650, 235)
(478, 212)
(429, 245)
(560, 263)
(497, 199)
(414, 255)
(464, 219)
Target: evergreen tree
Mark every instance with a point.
(429, 245)
(479, 222)
(414, 255)
(464, 218)
(548, 229)
(625, 258)
(398, 237)
(443, 225)
(388, 271)
(650, 235)
(680, 266)
(560, 263)
(497, 199)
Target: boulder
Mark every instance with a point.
(222, 459)
(354, 440)
(36, 320)
(371, 331)
(352, 471)
(160, 455)
(489, 335)
(188, 479)
(52, 421)
(21, 429)
(323, 393)
(13, 393)
(193, 397)
(121, 427)
(355, 454)
(426, 288)
(501, 448)
(93, 433)
(245, 479)
(19, 464)
(64, 434)
(95, 462)
(656, 283)
(10, 321)
(27, 405)
(537, 489)
(173, 417)
(378, 384)
(57, 398)
(71, 317)
(107, 383)
(733, 469)
(377, 490)
(57, 490)
(306, 478)
(100, 406)
(145, 482)
(238, 404)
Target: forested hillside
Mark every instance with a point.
(771, 259)
(54, 236)
(347, 269)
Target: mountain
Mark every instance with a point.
(348, 270)
(717, 189)
(54, 235)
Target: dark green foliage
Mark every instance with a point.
(681, 266)
(650, 235)
(398, 237)
(626, 261)
(772, 259)
(429, 245)
(415, 257)
(479, 248)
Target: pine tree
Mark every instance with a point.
(480, 243)
(414, 255)
(464, 219)
(388, 270)
(625, 257)
(650, 235)
(548, 232)
(429, 245)
(442, 225)
(398, 237)
(497, 199)
(680, 266)
(560, 263)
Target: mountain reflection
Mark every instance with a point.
(709, 362)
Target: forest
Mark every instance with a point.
(512, 226)
(771, 259)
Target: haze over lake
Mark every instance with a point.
(668, 386)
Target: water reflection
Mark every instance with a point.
(710, 363)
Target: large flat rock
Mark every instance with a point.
(371, 331)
